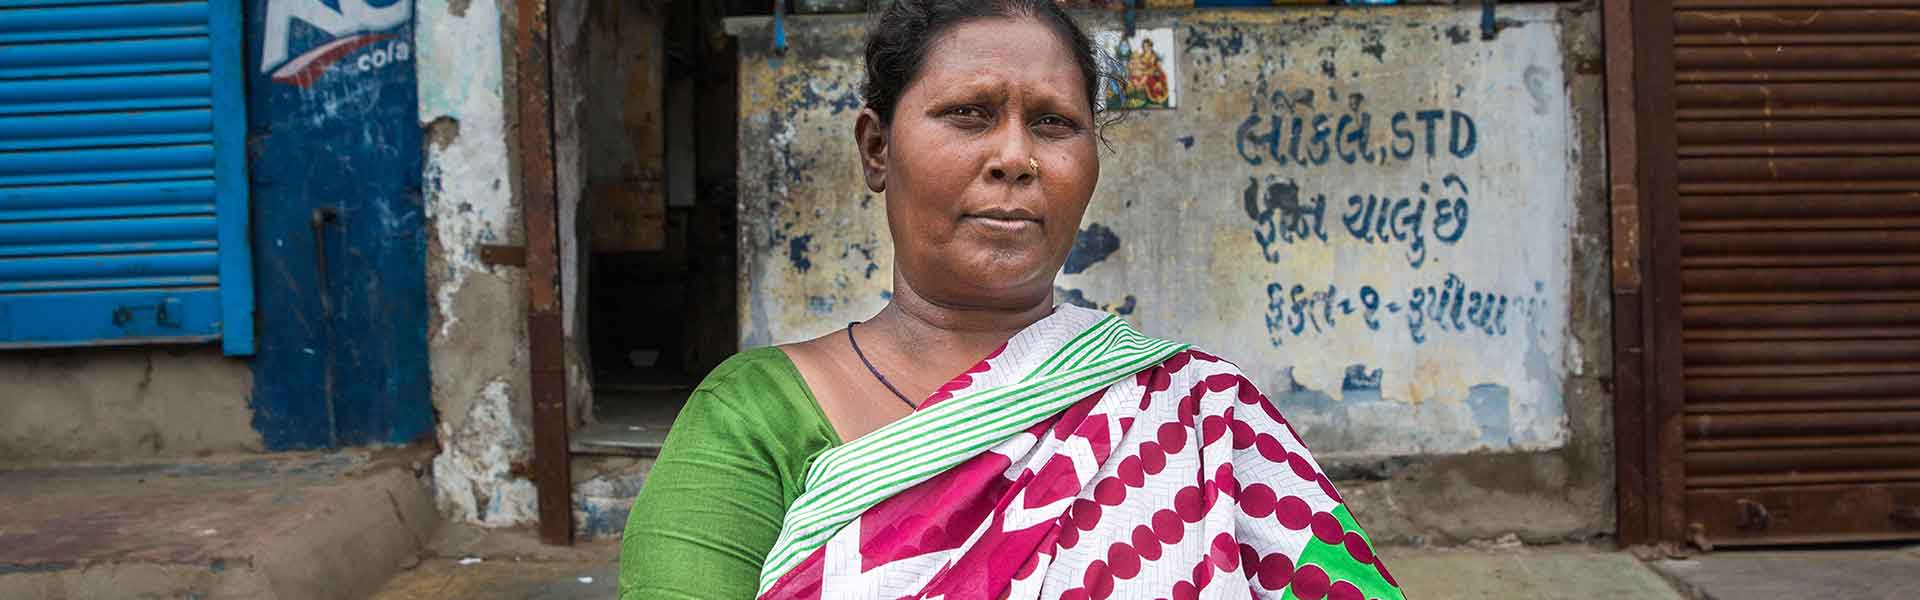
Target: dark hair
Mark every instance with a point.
(897, 43)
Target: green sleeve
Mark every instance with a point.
(712, 505)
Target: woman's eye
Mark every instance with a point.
(1056, 124)
(967, 112)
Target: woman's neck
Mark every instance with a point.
(945, 334)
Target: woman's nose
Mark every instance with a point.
(1015, 162)
(1020, 171)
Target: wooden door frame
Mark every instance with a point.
(539, 211)
(1644, 196)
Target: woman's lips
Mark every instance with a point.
(1005, 214)
(1005, 220)
(1005, 225)
(1008, 219)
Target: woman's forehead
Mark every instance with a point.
(986, 51)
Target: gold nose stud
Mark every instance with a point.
(1034, 164)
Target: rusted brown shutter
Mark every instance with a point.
(1798, 130)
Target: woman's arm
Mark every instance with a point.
(709, 510)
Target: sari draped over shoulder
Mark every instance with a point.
(1082, 460)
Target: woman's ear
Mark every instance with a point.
(871, 135)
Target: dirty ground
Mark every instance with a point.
(1877, 571)
(300, 525)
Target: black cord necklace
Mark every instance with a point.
(876, 372)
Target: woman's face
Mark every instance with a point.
(975, 224)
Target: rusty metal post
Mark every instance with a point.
(1642, 168)
(1656, 177)
(1630, 440)
(533, 62)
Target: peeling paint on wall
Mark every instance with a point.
(1373, 218)
(469, 197)
(471, 476)
(477, 338)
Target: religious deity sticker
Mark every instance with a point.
(1145, 64)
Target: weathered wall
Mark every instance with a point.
(1407, 270)
(569, 34)
(477, 325)
(123, 403)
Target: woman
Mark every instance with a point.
(1078, 459)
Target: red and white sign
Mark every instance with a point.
(355, 25)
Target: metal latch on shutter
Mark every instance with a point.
(1753, 516)
(167, 313)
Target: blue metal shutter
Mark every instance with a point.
(123, 189)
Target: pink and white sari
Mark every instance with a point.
(1084, 461)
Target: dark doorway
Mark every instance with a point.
(657, 110)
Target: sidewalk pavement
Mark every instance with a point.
(1863, 572)
(1524, 572)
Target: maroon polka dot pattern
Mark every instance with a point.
(1124, 560)
(1310, 583)
(1145, 543)
(1152, 458)
(1326, 528)
(1342, 590)
(1225, 552)
(1173, 437)
(1168, 527)
(1130, 472)
(1111, 491)
(1276, 571)
(1357, 547)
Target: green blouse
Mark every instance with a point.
(734, 461)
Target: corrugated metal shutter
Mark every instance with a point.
(123, 208)
(1799, 179)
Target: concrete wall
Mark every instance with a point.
(476, 334)
(123, 403)
(1413, 282)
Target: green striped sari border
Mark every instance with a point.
(1108, 330)
(1085, 339)
(937, 415)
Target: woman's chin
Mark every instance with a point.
(998, 284)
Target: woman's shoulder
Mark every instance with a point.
(756, 365)
(761, 382)
(1193, 364)
(1191, 353)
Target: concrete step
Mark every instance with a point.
(282, 527)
